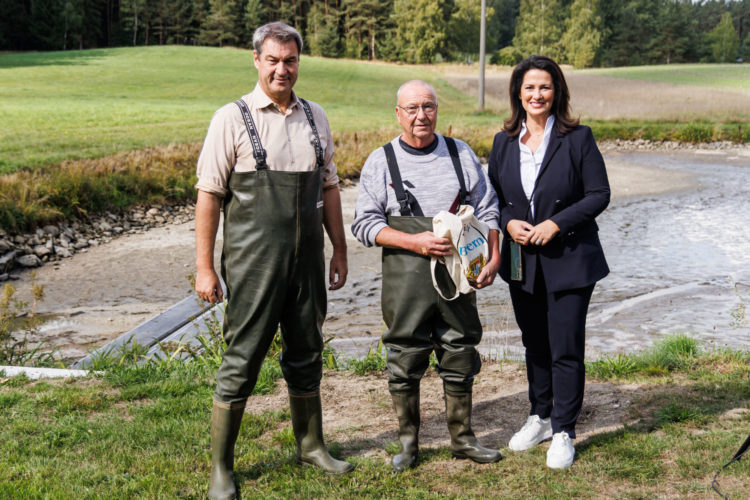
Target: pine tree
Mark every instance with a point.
(420, 29)
(219, 27)
(724, 39)
(539, 28)
(583, 33)
(322, 31)
(254, 16)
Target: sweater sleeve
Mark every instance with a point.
(372, 199)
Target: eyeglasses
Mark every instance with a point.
(429, 109)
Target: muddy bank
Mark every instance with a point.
(95, 296)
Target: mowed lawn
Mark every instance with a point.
(83, 104)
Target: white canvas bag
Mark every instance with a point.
(469, 248)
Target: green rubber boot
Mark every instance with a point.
(225, 425)
(463, 442)
(307, 424)
(406, 405)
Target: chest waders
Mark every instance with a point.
(273, 265)
(418, 321)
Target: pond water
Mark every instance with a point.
(680, 263)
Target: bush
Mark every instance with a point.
(507, 56)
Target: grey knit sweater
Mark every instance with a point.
(432, 180)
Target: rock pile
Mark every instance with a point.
(58, 241)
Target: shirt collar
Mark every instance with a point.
(262, 100)
(547, 128)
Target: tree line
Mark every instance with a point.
(580, 32)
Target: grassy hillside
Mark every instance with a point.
(716, 76)
(86, 131)
(83, 104)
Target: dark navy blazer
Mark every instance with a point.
(572, 189)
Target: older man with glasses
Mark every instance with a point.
(402, 186)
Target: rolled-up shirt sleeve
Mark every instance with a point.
(330, 176)
(372, 200)
(218, 154)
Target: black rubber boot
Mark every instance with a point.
(463, 442)
(406, 405)
(307, 424)
(225, 425)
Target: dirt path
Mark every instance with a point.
(364, 419)
(99, 294)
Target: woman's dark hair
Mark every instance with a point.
(560, 106)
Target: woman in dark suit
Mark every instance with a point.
(551, 184)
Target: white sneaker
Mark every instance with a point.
(561, 452)
(533, 432)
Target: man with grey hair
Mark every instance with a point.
(268, 162)
(402, 186)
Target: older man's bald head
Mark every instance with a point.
(415, 84)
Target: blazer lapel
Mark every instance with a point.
(514, 161)
(555, 141)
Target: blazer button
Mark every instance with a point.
(557, 202)
(510, 203)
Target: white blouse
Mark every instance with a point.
(531, 163)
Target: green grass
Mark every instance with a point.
(142, 431)
(716, 76)
(83, 104)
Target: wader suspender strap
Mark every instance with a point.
(398, 185)
(318, 147)
(453, 150)
(258, 152)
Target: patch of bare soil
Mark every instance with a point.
(601, 97)
(357, 410)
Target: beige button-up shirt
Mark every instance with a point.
(287, 138)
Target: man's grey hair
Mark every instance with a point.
(415, 82)
(280, 32)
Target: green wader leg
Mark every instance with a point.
(225, 425)
(307, 423)
(419, 320)
(464, 443)
(273, 265)
(406, 405)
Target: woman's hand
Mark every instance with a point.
(519, 231)
(542, 233)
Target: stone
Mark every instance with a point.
(93, 243)
(5, 245)
(80, 244)
(63, 252)
(6, 261)
(4, 277)
(29, 260)
(153, 211)
(105, 226)
(41, 251)
(51, 230)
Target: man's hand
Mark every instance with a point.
(487, 276)
(208, 286)
(338, 270)
(429, 245)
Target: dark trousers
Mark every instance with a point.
(553, 327)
